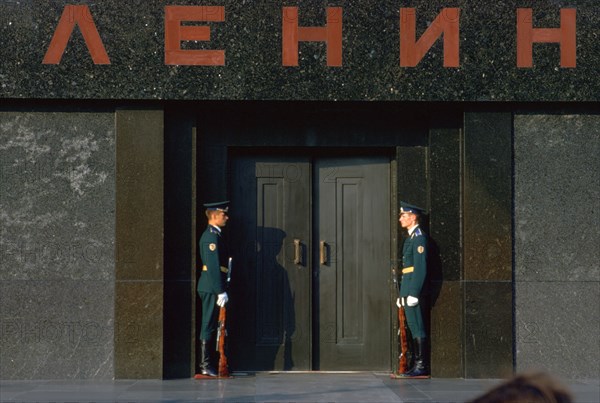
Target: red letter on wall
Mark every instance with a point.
(566, 35)
(175, 33)
(447, 23)
(330, 34)
(71, 16)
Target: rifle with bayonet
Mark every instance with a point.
(223, 371)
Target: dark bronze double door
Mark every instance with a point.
(311, 242)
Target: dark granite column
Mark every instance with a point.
(394, 256)
(488, 288)
(445, 265)
(180, 241)
(412, 175)
(139, 244)
(412, 188)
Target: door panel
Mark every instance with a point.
(351, 308)
(289, 311)
(270, 209)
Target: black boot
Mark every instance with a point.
(205, 367)
(420, 367)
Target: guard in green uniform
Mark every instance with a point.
(213, 281)
(414, 271)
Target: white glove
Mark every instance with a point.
(399, 302)
(412, 301)
(222, 299)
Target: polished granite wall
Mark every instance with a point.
(487, 244)
(133, 35)
(139, 251)
(57, 211)
(557, 228)
(78, 301)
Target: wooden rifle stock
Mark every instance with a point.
(403, 338)
(221, 333)
(402, 361)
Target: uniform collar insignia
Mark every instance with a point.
(416, 232)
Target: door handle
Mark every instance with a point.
(322, 252)
(297, 252)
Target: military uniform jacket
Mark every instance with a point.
(414, 255)
(213, 254)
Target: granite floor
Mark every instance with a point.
(268, 387)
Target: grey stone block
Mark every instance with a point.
(557, 197)
(56, 329)
(557, 328)
(57, 195)
(57, 198)
(557, 227)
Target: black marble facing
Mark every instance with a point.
(412, 174)
(487, 196)
(138, 346)
(140, 188)
(445, 198)
(447, 331)
(139, 244)
(444, 259)
(132, 34)
(487, 246)
(488, 329)
(180, 244)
